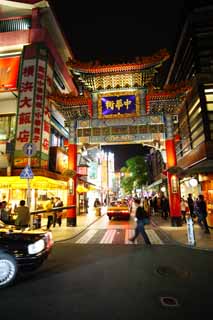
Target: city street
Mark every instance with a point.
(100, 281)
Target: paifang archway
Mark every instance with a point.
(118, 104)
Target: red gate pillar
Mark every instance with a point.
(172, 179)
(71, 198)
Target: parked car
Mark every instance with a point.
(21, 251)
(118, 209)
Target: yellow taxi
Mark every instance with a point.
(118, 209)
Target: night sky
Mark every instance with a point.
(113, 33)
(110, 33)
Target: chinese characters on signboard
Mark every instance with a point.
(174, 184)
(25, 104)
(33, 121)
(118, 105)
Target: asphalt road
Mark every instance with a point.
(114, 282)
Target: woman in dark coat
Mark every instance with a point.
(202, 213)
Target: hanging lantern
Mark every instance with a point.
(193, 182)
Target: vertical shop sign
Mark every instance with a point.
(46, 118)
(38, 106)
(25, 110)
(33, 121)
(174, 184)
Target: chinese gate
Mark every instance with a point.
(118, 104)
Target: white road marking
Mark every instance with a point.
(153, 237)
(129, 234)
(108, 237)
(87, 236)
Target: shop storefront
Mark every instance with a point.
(13, 189)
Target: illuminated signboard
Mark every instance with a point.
(118, 105)
(9, 68)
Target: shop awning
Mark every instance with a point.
(38, 182)
(81, 189)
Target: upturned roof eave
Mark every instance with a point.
(145, 63)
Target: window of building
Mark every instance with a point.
(56, 138)
(198, 141)
(209, 97)
(197, 132)
(195, 105)
(198, 123)
(7, 127)
(209, 106)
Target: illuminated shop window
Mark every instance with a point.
(210, 90)
(210, 106)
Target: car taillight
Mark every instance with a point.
(49, 239)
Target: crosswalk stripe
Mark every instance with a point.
(86, 237)
(108, 237)
(153, 237)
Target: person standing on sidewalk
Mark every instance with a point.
(202, 213)
(142, 217)
(164, 207)
(58, 219)
(50, 213)
(183, 207)
(23, 216)
(191, 205)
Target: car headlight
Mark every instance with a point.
(36, 247)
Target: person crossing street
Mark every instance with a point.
(142, 219)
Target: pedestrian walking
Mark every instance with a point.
(146, 206)
(202, 213)
(142, 219)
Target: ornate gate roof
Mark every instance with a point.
(93, 76)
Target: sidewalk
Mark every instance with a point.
(64, 233)
(178, 234)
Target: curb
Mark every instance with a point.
(82, 230)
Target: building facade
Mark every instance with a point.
(33, 55)
(193, 61)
